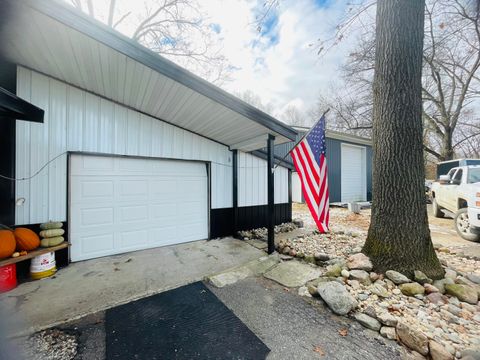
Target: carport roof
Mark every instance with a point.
(53, 38)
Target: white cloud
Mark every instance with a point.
(288, 71)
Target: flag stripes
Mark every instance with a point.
(311, 165)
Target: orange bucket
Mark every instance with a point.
(8, 277)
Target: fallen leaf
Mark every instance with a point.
(319, 350)
(343, 332)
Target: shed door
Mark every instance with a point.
(121, 204)
(353, 173)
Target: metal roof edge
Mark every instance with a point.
(102, 33)
(333, 134)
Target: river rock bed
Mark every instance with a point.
(435, 319)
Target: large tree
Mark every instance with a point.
(399, 237)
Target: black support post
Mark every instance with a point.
(235, 191)
(271, 194)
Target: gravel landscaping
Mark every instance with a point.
(51, 344)
(436, 319)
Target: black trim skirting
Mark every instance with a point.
(249, 217)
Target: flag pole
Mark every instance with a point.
(303, 137)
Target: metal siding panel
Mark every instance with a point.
(120, 140)
(39, 151)
(145, 146)
(106, 127)
(90, 125)
(133, 132)
(75, 118)
(157, 136)
(281, 185)
(22, 151)
(57, 144)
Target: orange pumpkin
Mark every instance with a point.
(27, 239)
(7, 243)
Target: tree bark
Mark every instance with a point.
(399, 237)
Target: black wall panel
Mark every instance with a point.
(8, 80)
(249, 217)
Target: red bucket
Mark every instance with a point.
(8, 277)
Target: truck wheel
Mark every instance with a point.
(462, 225)
(436, 209)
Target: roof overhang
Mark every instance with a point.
(332, 134)
(11, 106)
(53, 38)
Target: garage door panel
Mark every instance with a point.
(91, 245)
(96, 216)
(133, 213)
(162, 213)
(353, 173)
(163, 235)
(134, 239)
(90, 165)
(132, 188)
(91, 189)
(132, 205)
(163, 189)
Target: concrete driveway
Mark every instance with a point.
(94, 285)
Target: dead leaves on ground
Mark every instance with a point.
(343, 332)
(318, 349)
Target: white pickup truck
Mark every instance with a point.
(459, 193)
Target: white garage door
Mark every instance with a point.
(120, 204)
(354, 174)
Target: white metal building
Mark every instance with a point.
(137, 152)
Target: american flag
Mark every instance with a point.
(311, 164)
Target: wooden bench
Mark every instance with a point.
(32, 254)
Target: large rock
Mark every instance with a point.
(421, 278)
(437, 298)
(450, 274)
(440, 284)
(397, 277)
(379, 290)
(429, 288)
(293, 273)
(368, 321)
(412, 289)
(464, 293)
(361, 276)
(359, 262)
(321, 256)
(471, 354)
(412, 338)
(387, 319)
(438, 352)
(388, 332)
(473, 278)
(334, 270)
(337, 297)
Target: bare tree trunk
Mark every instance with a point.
(447, 146)
(399, 237)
